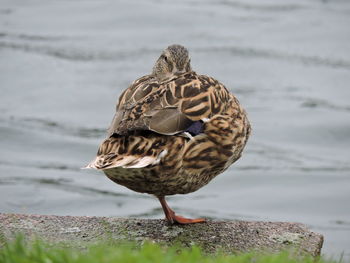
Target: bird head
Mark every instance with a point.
(173, 60)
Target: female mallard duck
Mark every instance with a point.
(173, 132)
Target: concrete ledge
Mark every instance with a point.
(227, 236)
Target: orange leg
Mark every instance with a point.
(174, 219)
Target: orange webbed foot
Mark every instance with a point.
(183, 220)
(172, 218)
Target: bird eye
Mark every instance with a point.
(165, 58)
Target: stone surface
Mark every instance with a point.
(227, 236)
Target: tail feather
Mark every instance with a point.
(100, 163)
(118, 152)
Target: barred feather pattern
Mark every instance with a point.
(159, 164)
(168, 107)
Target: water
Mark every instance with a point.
(64, 63)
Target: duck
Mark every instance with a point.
(173, 131)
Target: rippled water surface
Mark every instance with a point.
(64, 63)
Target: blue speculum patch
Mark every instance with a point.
(195, 128)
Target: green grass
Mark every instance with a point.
(38, 252)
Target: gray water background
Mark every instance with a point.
(63, 65)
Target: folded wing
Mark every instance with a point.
(170, 107)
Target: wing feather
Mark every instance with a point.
(169, 107)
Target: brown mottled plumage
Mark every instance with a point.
(173, 132)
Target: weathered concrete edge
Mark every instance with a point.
(226, 236)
